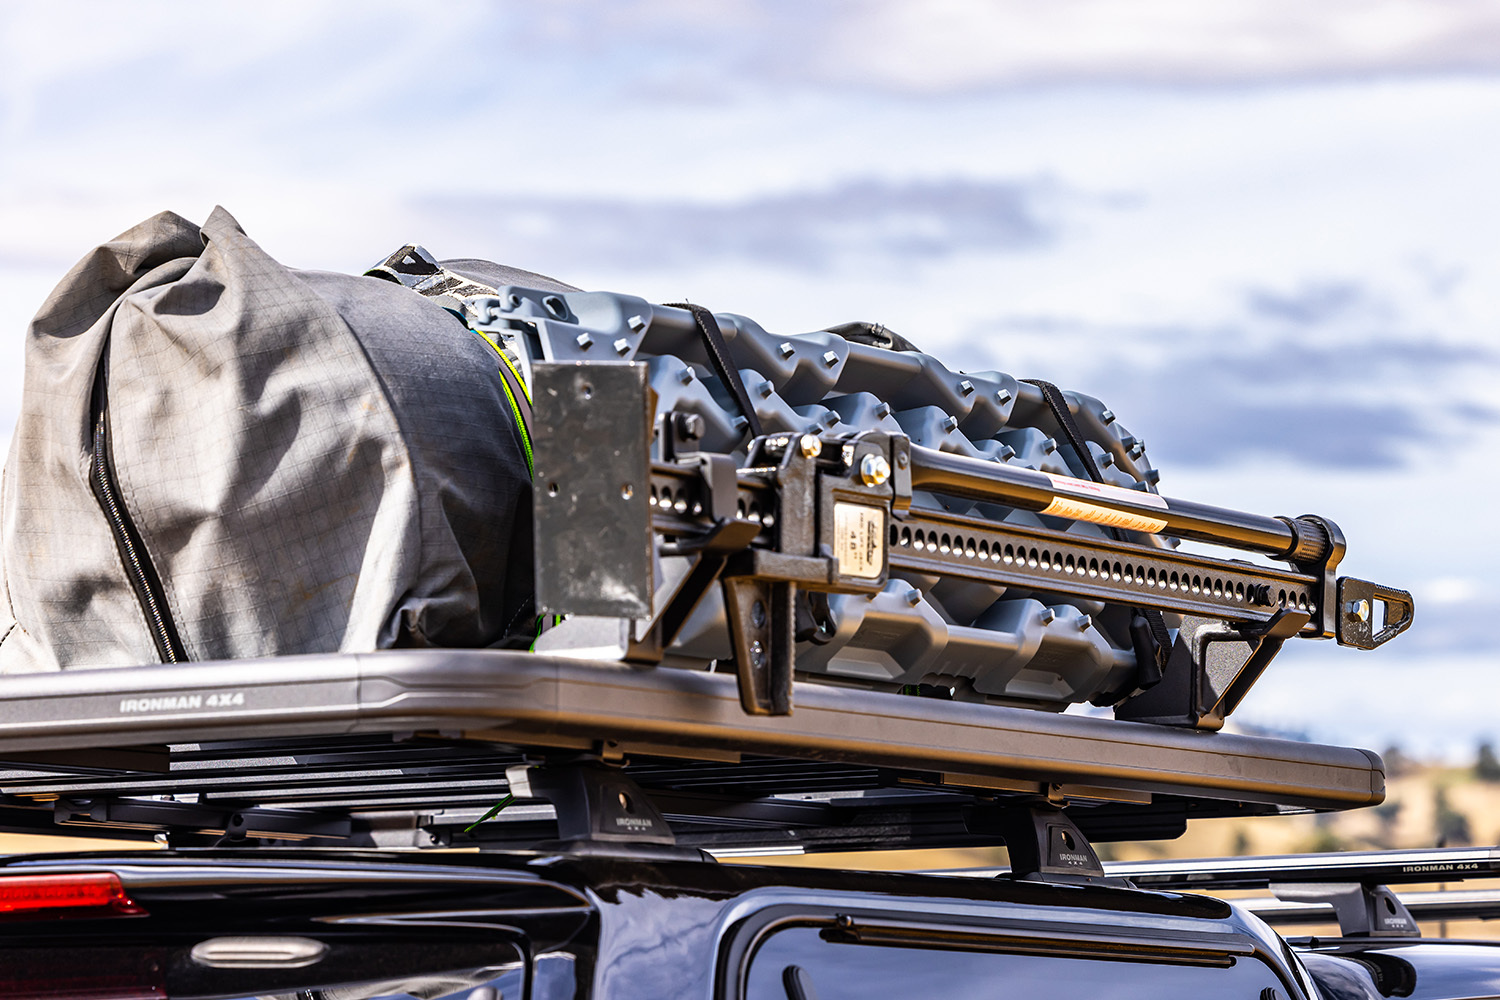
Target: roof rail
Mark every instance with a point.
(1441, 864)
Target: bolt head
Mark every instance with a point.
(1047, 617)
(1108, 416)
(950, 423)
(830, 358)
(1358, 610)
(1003, 396)
(966, 387)
(785, 349)
(622, 346)
(811, 446)
(685, 376)
(636, 323)
(874, 470)
(584, 341)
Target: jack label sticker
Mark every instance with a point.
(859, 539)
(1084, 504)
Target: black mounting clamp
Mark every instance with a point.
(1045, 845)
(600, 810)
(1361, 910)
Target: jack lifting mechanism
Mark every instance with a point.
(844, 521)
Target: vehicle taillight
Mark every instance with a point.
(89, 894)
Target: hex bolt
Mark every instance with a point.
(902, 459)
(622, 346)
(811, 446)
(829, 418)
(1047, 617)
(950, 423)
(1084, 621)
(785, 349)
(584, 341)
(966, 387)
(1359, 610)
(685, 376)
(1137, 450)
(1259, 594)
(689, 426)
(1108, 416)
(1106, 460)
(1007, 453)
(636, 323)
(1049, 446)
(766, 388)
(913, 597)
(830, 359)
(1003, 396)
(882, 411)
(874, 470)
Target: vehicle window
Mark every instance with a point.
(798, 964)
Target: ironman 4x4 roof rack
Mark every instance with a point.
(1349, 887)
(418, 747)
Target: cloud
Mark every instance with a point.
(903, 222)
(955, 46)
(963, 44)
(1329, 376)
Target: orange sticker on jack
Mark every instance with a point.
(1086, 501)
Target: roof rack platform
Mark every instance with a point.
(369, 748)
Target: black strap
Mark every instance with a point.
(723, 364)
(1155, 626)
(1064, 418)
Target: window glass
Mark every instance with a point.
(797, 964)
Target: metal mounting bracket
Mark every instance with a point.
(598, 807)
(1361, 910)
(1210, 670)
(1047, 846)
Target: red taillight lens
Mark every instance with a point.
(90, 894)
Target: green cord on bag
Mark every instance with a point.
(494, 811)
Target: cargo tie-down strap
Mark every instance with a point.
(723, 364)
(1148, 631)
(418, 270)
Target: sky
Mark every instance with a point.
(1264, 232)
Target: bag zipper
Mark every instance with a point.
(142, 575)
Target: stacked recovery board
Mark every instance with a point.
(982, 641)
